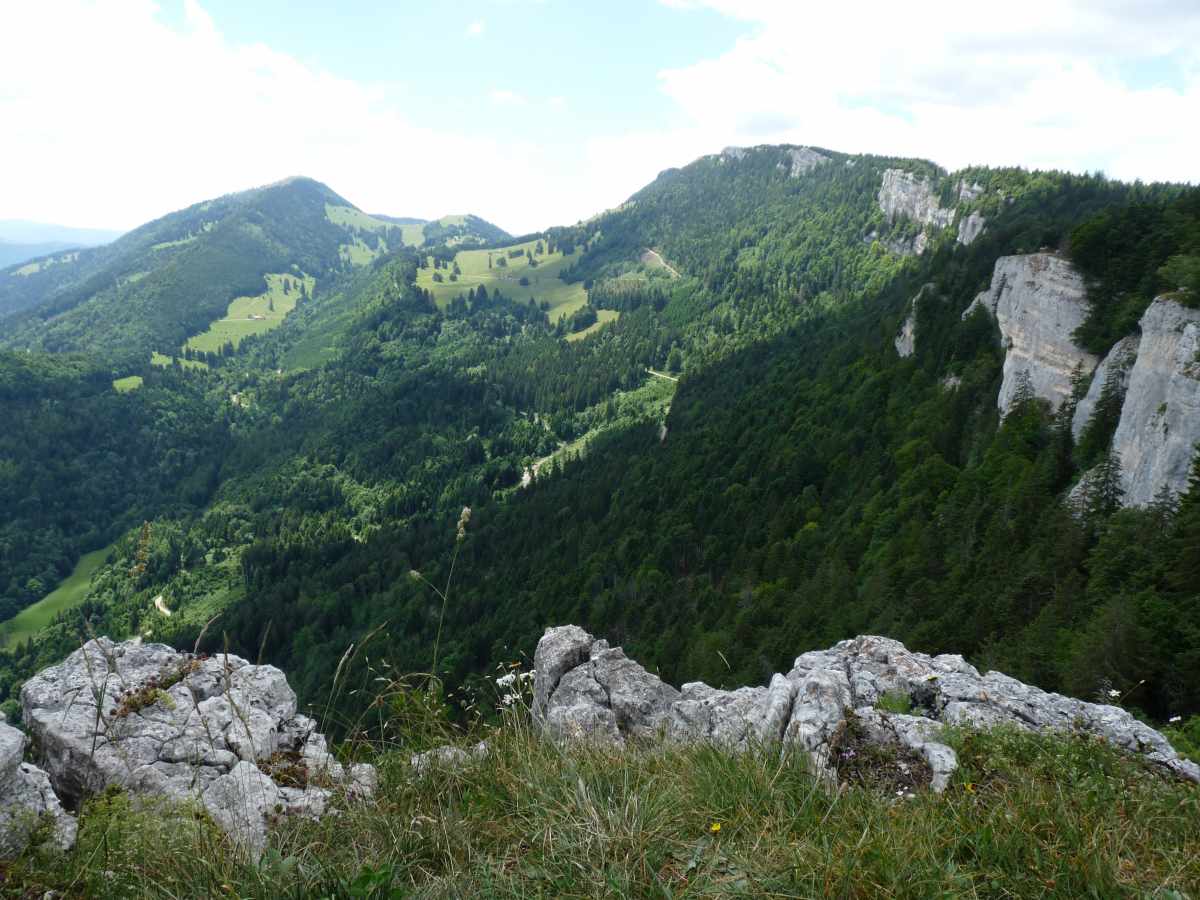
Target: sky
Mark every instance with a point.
(534, 113)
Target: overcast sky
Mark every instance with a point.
(539, 112)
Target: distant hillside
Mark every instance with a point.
(15, 254)
(171, 279)
(20, 231)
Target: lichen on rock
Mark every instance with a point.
(151, 720)
(589, 691)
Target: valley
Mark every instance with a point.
(869, 444)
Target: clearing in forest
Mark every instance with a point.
(255, 315)
(71, 592)
(521, 262)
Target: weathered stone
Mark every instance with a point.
(970, 228)
(26, 799)
(906, 338)
(1160, 418)
(154, 721)
(1038, 300)
(801, 160)
(1120, 359)
(903, 194)
(447, 758)
(608, 697)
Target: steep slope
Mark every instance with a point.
(170, 279)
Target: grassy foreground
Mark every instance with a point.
(1026, 816)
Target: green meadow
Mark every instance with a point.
(70, 593)
(162, 360)
(544, 284)
(254, 315)
(127, 384)
(603, 317)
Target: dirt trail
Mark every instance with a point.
(662, 375)
(657, 257)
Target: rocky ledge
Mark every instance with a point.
(213, 730)
(26, 798)
(585, 689)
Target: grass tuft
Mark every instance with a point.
(1026, 815)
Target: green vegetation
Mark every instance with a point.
(603, 317)
(162, 360)
(127, 384)
(1131, 253)
(254, 315)
(67, 595)
(516, 271)
(1046, 816)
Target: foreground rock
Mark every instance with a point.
(26, 799)
(585, 689)
(216, 730)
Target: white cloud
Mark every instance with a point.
(506, 98)
(475, 29)
(1041, 84)
(120, 119)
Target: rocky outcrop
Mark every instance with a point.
(968, 193)
(906, 338)
(970, 228)
(1160, 418)
(733, 153)
(1119, 361)
(26, 799)
(586, 690)
(1038, 300)
(215, 730)
(903, 194)
(802, 159)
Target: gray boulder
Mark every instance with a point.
(214, 730)
(587, 690)
(26, 799)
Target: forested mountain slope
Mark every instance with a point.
(168, 280)
(808, 483)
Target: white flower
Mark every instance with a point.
(1175, 719)
(510, 699)
(506, 680)
(1114, 693)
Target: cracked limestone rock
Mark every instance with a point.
(1119, 360)
(1038, 300)
(1160, 418)
(26, 799)
(586, 690)
(155, 721)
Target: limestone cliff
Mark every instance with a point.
(903, 194)
(1038, 300)
(906, 337)
(802, 159)
(1160, 418)
(1119, 361)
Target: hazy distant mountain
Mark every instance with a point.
(21, 241)
(19, 231)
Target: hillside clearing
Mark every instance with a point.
(70, 593)
(255, 315)
(544, 285)
(127, 384)
(603, 317)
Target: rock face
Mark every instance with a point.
(26, 799)
(803, 159)
(584, 689)
(211, 730)
(906, 337)
(1119, 360)
(1038, 300)
(903, 194)
(970, 228)
(1160, 419)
